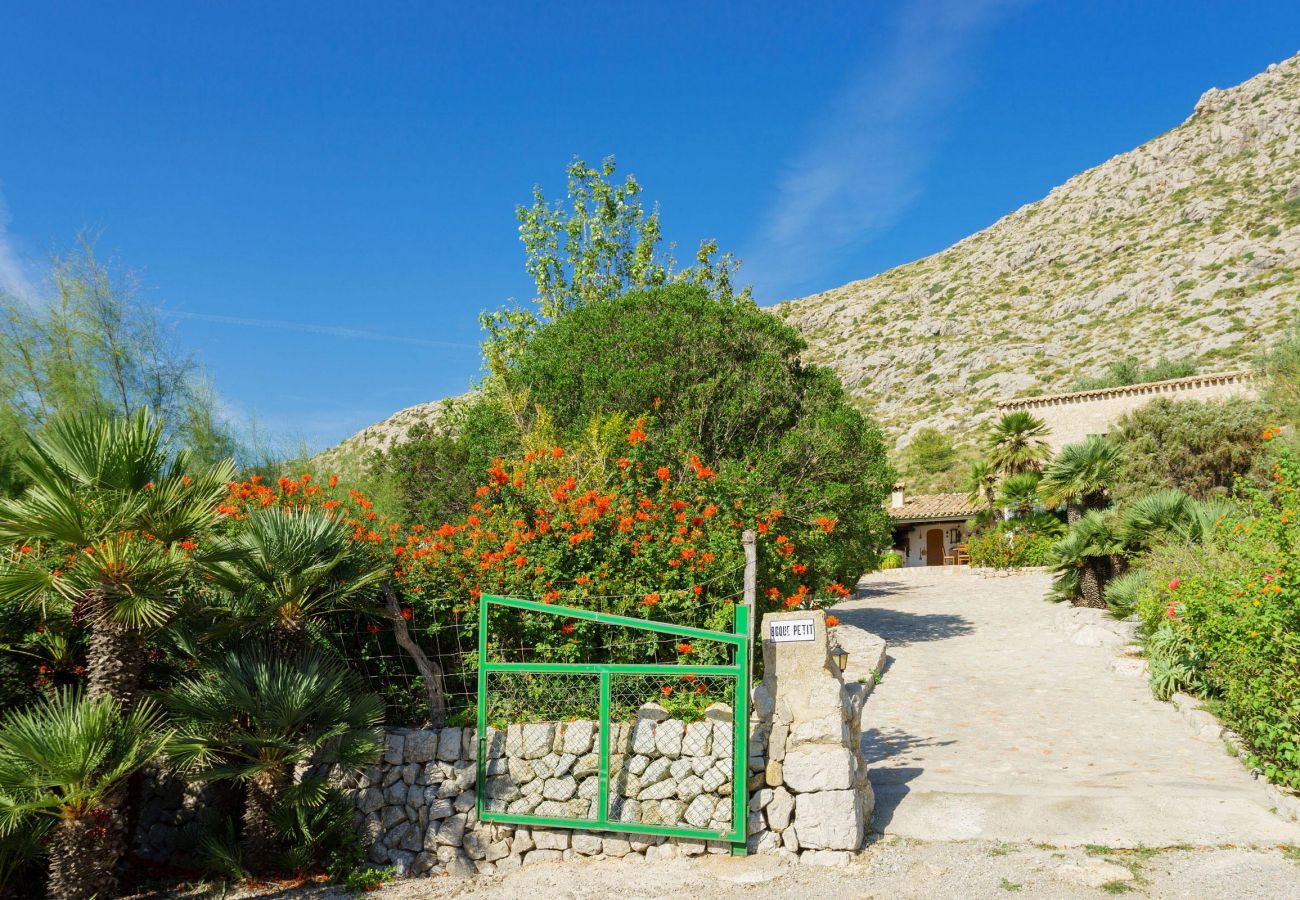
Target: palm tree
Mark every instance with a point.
(1015, 443)
(295, 567)
(258, 713)
(67, 760)
(106, 496)
(1082, 560)
(1167, 512)
(1081, 475)
(1020, 492)
(982, 485)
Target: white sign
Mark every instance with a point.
(791, 630)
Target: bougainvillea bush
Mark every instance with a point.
(626, 529)
(1224, 619)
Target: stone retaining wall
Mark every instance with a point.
(416, 810)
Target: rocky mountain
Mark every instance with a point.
(349, 457)
(1185, 248)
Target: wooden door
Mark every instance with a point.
(934, 547)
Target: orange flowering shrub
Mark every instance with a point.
(638, 535)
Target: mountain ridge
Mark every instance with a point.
(1184, 247)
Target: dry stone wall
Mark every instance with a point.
(416, 810)
(807, 790)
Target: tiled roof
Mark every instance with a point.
(933, 506)
(1169, 386)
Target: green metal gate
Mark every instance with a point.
(577, 745)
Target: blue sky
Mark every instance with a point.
(322, 194)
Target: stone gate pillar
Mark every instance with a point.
(816, 799)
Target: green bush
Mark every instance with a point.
(720, 378)
(1016, 543)
(1192, 446)
(1223, 619)
(1130, 371)
(891, 561)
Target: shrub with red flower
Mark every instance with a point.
(572, 528)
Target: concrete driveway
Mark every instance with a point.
(989, 724)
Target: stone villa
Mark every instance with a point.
(928, 527)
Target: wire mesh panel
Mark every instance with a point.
(677, 769)
(542, 748)
(641, 736)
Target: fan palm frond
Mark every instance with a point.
(1081, 473)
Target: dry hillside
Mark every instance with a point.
(1186, 247)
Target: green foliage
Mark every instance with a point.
(95, 348)
(1015, 443)
(363, 881)
(1020, 493)
(293, 569)
(1017, 543)
(982, 484)
(1193, 446)
(107, 497)
(1130, 371)
(891, 561)
(63, 757)
(931, 451)
(1122, 593)
(1223, 617)
(261, 711)
(722, 379)
(1278, 374)
(1081, 474)
(434, 472)
(602, 246)
(317, 830)
(1174, 663)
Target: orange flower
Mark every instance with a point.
(667, 690)
(831, 621)
(25, 549)
(663, 474)
(406, 613)
(566, 628)
(637, 434)
(650, 599)
(683, 648)
(334, 481)
(799, 568)
(373, 629)
(557, 452)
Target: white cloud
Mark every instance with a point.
(14, 279)
(313, 328)
(864, 162)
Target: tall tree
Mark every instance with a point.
(93, 347)
(982, 485)
(1084, 560)
(1015, 443)
(1020, 492)
(600, 245)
